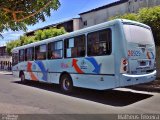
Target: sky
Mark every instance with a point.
(69, 9)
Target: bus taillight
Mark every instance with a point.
(125, 62)
(124, 65)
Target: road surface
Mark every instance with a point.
(40, 98)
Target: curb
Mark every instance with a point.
(6, 72)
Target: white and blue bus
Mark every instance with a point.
(108, 55)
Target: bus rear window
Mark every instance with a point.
(137, 34)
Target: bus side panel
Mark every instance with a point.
(15, 73)
(99, 82)
(118, 50)
(53, 78)
(45, 71)
(29, 75)
(15, 70)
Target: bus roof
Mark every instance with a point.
(82, 31)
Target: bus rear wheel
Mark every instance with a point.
(66, 83)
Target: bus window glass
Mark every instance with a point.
(137, 34)
(40, 52)
(75, 47)
(55, 50)
(99, 43)
(43, 48)
(21, 55)
(71, 42)
(14, 58)
(29, 54)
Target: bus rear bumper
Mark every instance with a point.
(137, 79)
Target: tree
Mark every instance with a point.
(48, 33)
(16, 14)
(12, 44)
(149, 16)
(130, 16)
(38, 36)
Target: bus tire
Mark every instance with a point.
(66, 83)
(22, 76)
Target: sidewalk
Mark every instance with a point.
(5, 72)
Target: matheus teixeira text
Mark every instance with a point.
(139, 117)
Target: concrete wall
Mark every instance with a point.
(5, 62)
(6, 58)
(102, 15)
(135, 5)
(76, 24)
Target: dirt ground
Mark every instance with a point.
(153, 86)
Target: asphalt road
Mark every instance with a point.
(40, 98)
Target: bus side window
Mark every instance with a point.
(93, 44)
(29, 54)
(21, 55)
(105, 42)
(40, 52)
(55, 50)
(55, 54)
(14, 58)
(99, 43)
(75, 47)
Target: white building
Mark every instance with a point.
(103, 13)
(5, 59)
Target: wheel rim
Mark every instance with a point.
(66, 84)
